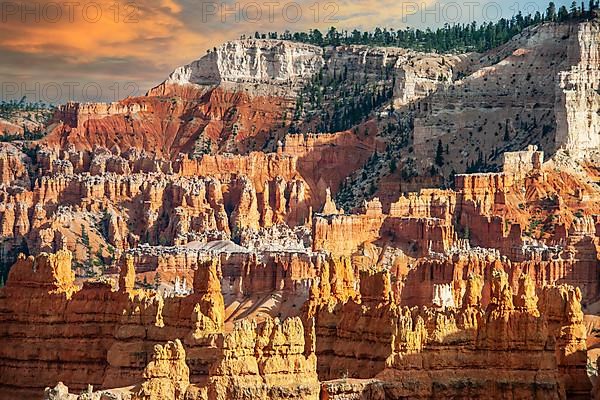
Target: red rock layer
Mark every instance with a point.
(128, 199)
(325, 160)
(172, 124)
(417, 285)
(511, 212)
(13, 165)
(343, 234)
(243, 274)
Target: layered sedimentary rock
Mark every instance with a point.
(97, 335)
(533, 88)
(531, 215)
(13, 166)
(325, 160)
(577, 98)
(343, 234)
(244, 272)
(265, 362)
(267, 63)
(166, 376)
(208, 104)
(122, 199)
(518, 343)
(538, 88)
(222, 224)
(9, 128)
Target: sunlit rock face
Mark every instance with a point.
(123, 331)
(386, 345)
(262, 62)
(578, 96)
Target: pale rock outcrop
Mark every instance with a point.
(167, 376)
(329, 208)
(578, 96)
(269, 64)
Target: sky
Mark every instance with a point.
(106, 50)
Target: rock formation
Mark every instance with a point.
(167, 376)
(577, 97)
(278, 220)
(209, 312)
(510, 333)
(119, 331)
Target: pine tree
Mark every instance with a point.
(563, 14)
(85, 239)
(439, 154)
(433, 171)
(393, 165)
(506, 133)
(574, 11)
(551, 12)
(457, 37)
(372, 189)
(452, 176)
(593, 7)
(467, 233)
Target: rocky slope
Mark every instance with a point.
(539, 88)
(22, 120)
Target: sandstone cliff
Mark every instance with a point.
(96, 335)
(516, 343)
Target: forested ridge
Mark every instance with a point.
(449, 38)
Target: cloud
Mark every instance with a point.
(109, 28)
(101, 40)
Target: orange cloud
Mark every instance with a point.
(102, 28)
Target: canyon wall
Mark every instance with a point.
(55, 331)
(244, 272)
(121, 200)
(519, 344)
(268, 64)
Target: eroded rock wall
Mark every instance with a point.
(577, 97)
(102, 336)
(517, 342)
